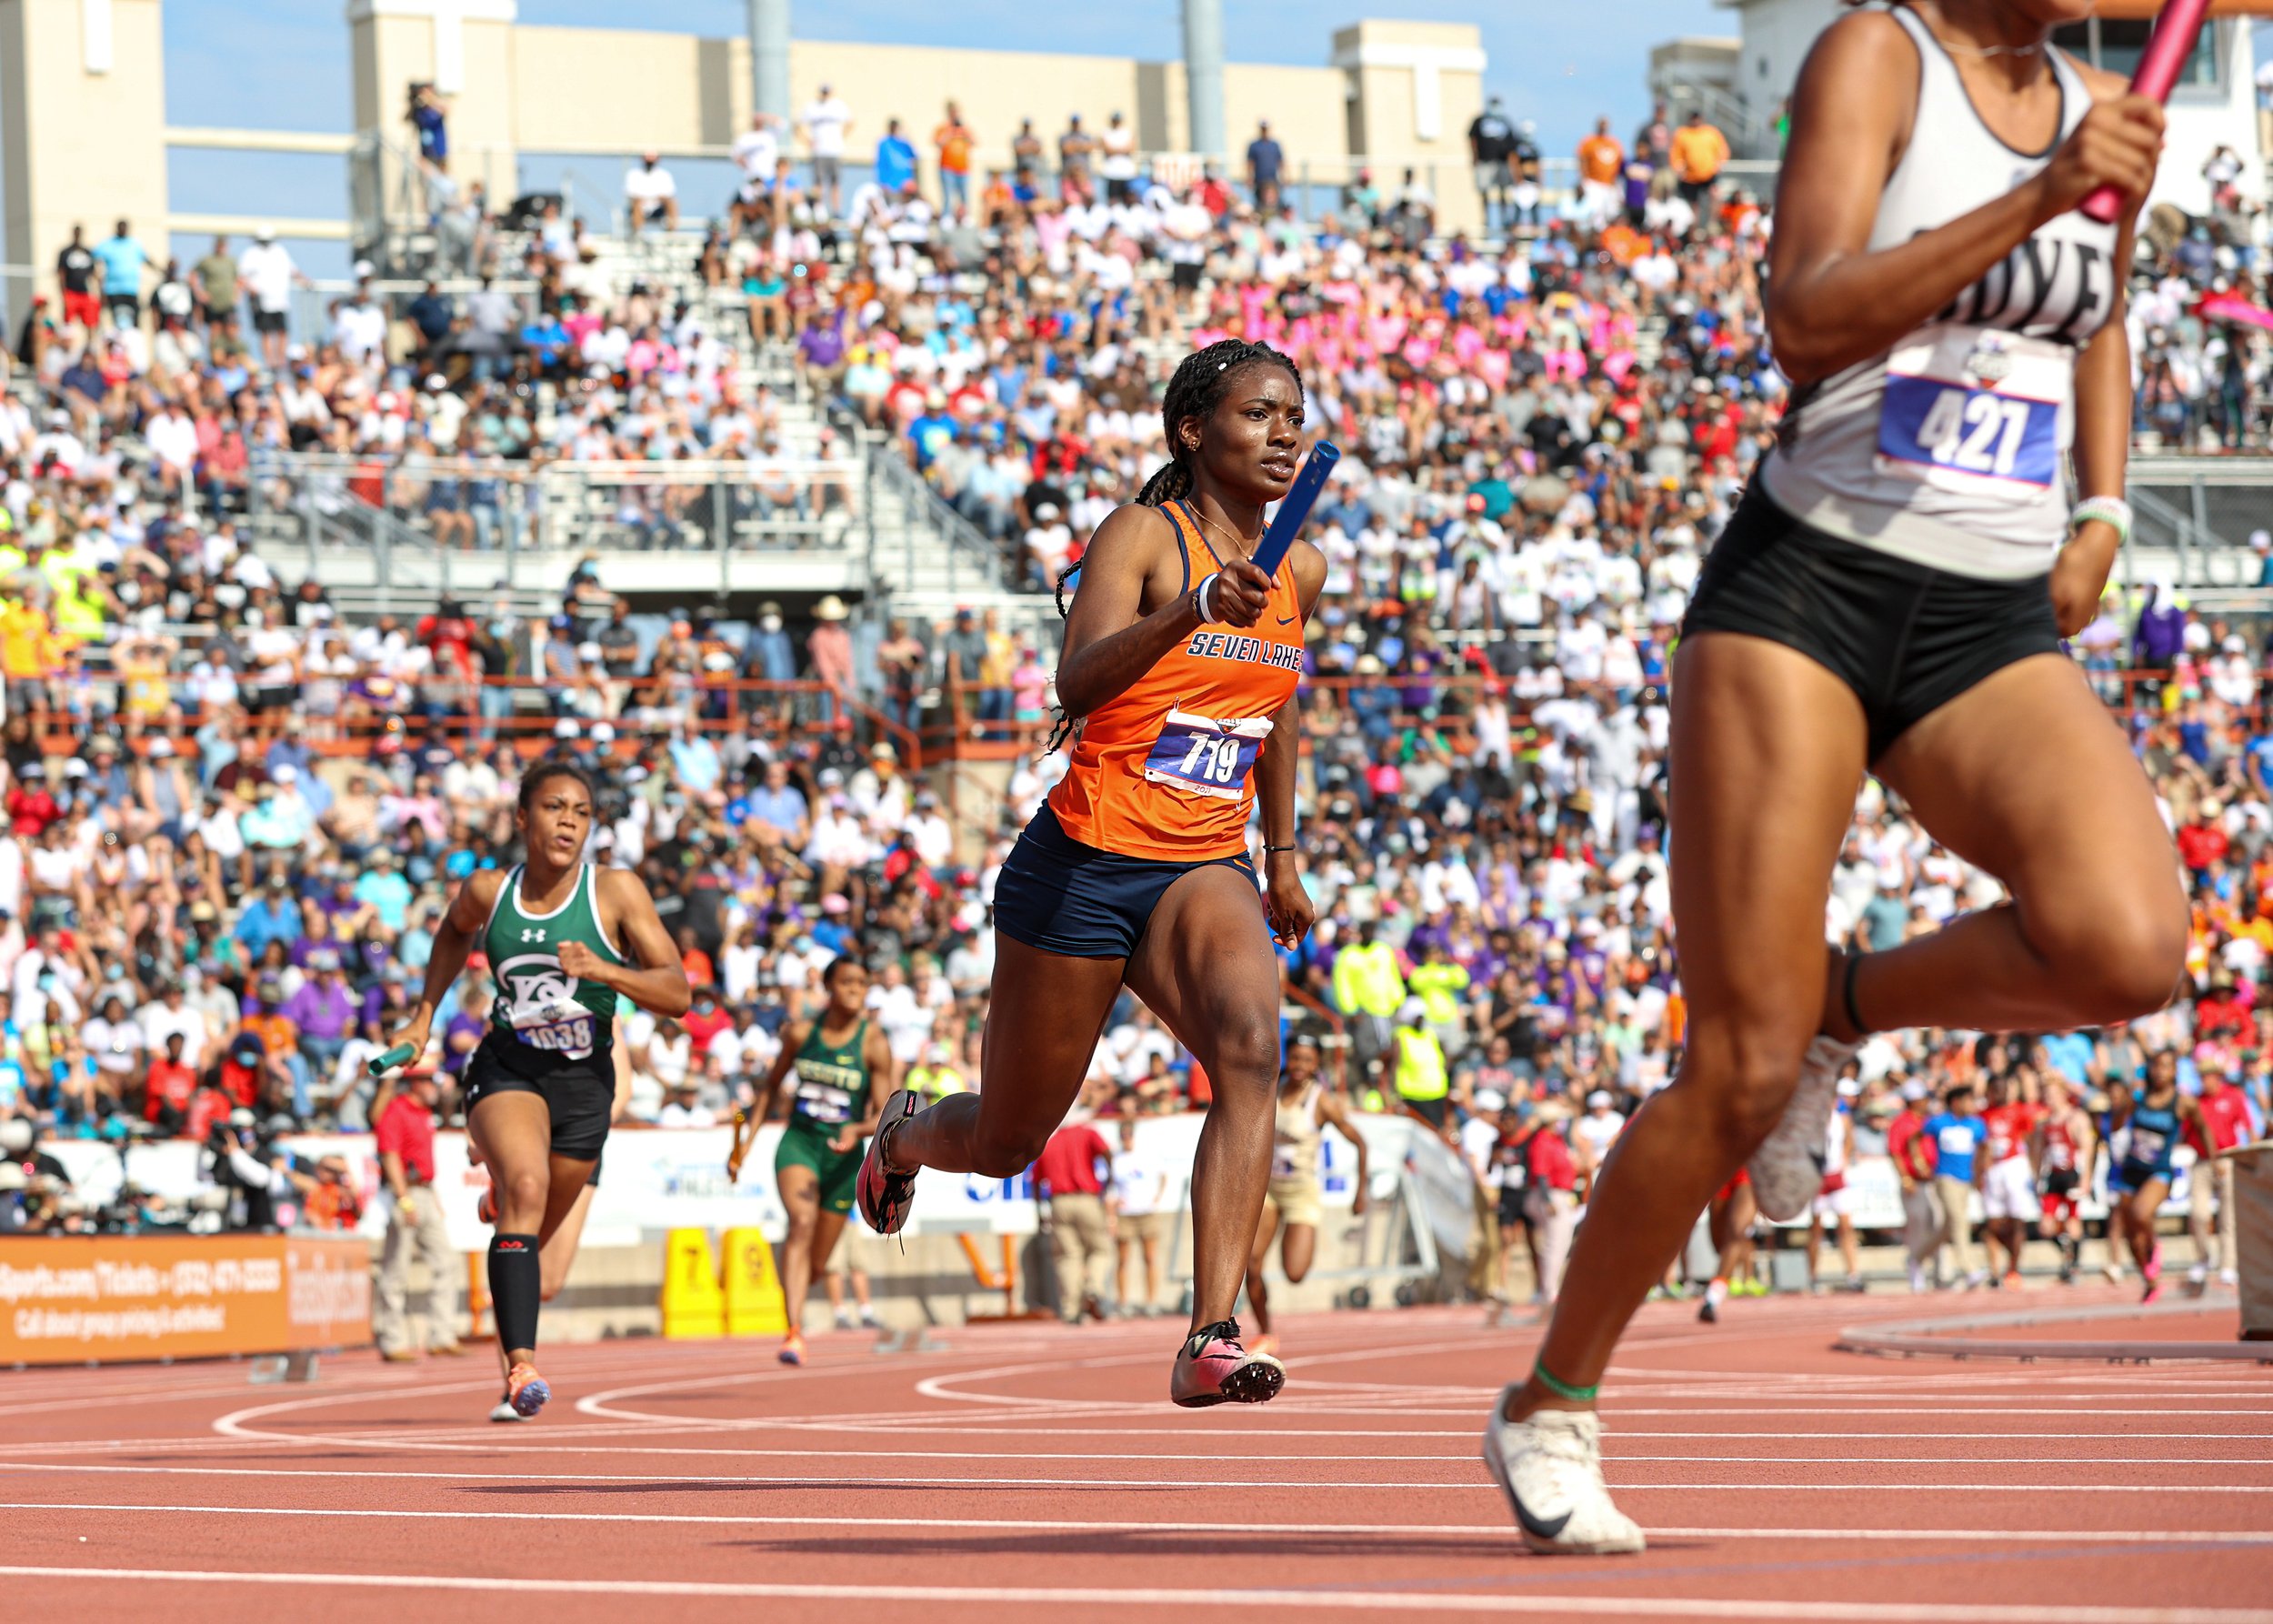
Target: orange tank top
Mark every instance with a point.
(1166, 769)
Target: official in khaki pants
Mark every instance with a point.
(1075, 1167)
(405, 1137)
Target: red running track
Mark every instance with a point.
(1039, 1474)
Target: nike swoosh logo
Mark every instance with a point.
(1539, 1527)
(1285, 620)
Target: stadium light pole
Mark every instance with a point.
(769, 58)
(1203, 74)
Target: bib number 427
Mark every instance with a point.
(1981, 433)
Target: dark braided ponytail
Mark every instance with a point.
(1196, 389)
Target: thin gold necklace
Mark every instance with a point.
(1245, 548)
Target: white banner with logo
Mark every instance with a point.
(656, 1179)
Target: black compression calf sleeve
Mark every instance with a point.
(517, 1286)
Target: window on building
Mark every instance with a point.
(2115, 45)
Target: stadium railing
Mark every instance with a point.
(522, 713)
(565, 506)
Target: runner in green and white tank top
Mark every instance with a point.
(540, 1091)
(539, 1004)
(843, 1071)
(832, 1086)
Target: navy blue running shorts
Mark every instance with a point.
(1062, 897)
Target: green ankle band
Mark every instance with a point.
(1561, 1389)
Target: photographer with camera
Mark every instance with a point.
(241, 1157)
(34, 1186)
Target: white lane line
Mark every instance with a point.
(1399, 1533)
(1220, 1438)
(1210, 1457)
(1061, 1597)
(1207, 1454)
(697, 1484)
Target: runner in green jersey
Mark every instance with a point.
(564, 940)
(844, 1070)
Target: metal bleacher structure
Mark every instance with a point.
(839, 511)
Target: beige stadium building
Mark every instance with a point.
(86, 138)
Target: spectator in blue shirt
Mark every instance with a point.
(272, 916)
(383, 887)
(123, 259)
(769, 654)
(780, 805)
(2070, 1055)
(429, 117)
(1264, 160)
(696, 761)
(895, 161)
(933, 430)
(1958, 1135)
(545, 337)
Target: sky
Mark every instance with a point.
(284, 64)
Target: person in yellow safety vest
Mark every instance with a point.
(1438, 983)
(1368, 986)
(1423, 1080)
(936, 1077)
(75, 599)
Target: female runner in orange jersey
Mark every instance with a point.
(1179, 670)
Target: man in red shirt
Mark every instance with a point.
(2211, 1183)
(1074, 1169)
(165, 1092)
(208, 1109)
(403, 1137)
(2203, 841)
(1550, 1192)
(1913, 1157)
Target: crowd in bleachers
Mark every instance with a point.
(235, 819)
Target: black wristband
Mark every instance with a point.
(1846, 995)
(1272, 848)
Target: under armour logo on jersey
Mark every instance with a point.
(532, 936)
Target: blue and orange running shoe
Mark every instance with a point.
(527, 1391)
(882, 1196)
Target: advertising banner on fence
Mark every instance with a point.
(66, 1300)
(658, 1180)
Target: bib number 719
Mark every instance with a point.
(1216, 760)
(1206, 755)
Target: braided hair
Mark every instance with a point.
(1196, 389)
(1201, 381)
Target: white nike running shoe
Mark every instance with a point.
(1549, 1465)
(506, 1412)
(1788, 1168)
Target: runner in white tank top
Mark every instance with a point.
(1889, 597)
(1295, 1204)
(1948, 449)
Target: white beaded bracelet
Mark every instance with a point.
(2106, 510)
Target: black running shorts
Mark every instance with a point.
(579, 1094)
(1906, 638)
